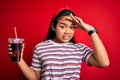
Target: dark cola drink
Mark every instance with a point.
(16, 48)
(16, 51)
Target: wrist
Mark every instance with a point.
(87, 27)
(92, 31)
(21, 60)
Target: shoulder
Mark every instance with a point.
(80, 45)
(43, 43)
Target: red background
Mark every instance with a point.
(32, 17)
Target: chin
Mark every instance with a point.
(65, 41)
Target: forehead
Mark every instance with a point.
(66, 18)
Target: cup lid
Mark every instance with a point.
(15, 40)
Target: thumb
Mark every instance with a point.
(23, 46)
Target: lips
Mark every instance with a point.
(66, 37)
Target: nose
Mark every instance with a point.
(67, 31)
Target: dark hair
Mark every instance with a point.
(51, 34)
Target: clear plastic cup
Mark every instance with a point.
(16, 46)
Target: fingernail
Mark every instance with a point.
(71, 14)
(9, 45)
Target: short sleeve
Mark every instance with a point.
(36, 63)
(87, 51)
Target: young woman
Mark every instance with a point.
(59, 57)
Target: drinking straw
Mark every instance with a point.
(15, 32)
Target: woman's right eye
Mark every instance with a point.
(63, 27)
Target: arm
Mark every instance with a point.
(100, 57)
(27, 71)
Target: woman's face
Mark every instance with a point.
(64, 29)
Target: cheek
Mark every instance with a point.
(72, 32)
(59, 32)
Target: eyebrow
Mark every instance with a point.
(63, 23)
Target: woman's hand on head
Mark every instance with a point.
(81, 24)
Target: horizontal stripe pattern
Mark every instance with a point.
(59, 61)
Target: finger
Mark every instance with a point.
(23, 46)
(10, 54)
(9, 45)
(80, 23)
(9, 49)
(74, 19)
(79, 19)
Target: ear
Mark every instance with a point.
(53, 27)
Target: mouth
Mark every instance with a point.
(66, 37)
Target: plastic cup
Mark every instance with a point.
(16, 46)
